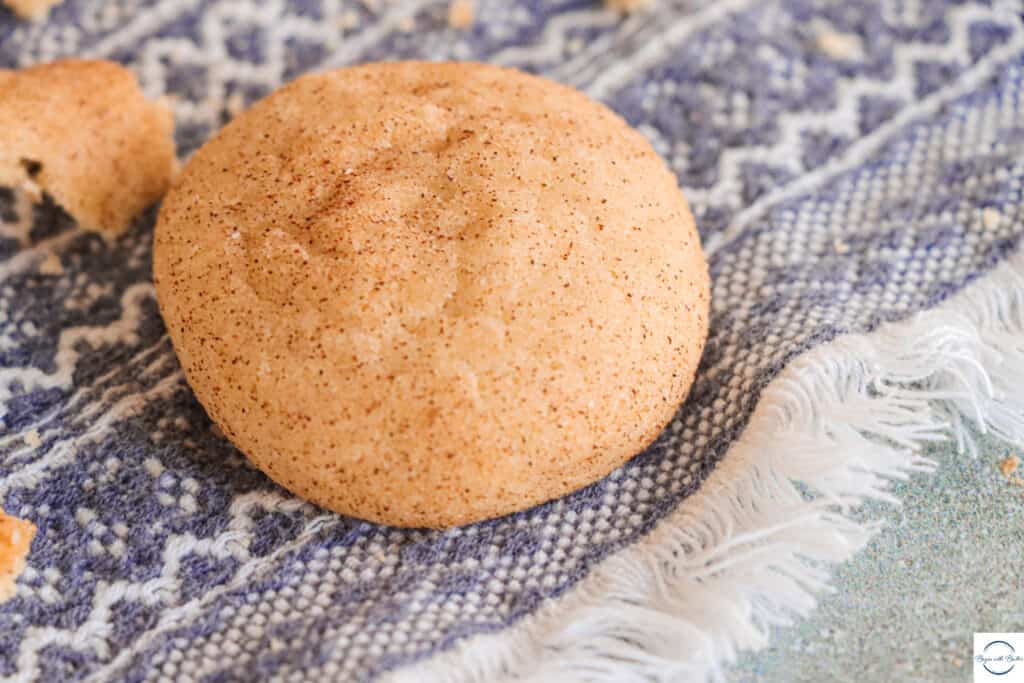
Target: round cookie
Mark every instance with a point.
(428, 294)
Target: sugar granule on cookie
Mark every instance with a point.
(84, 133)
(15, 540)
(31, 9)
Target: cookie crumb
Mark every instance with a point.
(460, 13)
(840, 246)
(628, 6)
(15, 541)
(32, 439)
(348, 20)
(406, 24)
(957, 662)
(31, 9)
(840, 45)
(991, 218)
(51, 265)
(1009, 465)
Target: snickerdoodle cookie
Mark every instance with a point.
(428, 294)
(83, 132)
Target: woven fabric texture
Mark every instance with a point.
(850, 162)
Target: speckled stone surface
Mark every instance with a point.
(947, 564)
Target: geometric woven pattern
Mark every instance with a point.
(849, 162)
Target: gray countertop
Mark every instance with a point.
(949, 562)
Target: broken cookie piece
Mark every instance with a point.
(82, 132)
(31, 9)
(15, 539)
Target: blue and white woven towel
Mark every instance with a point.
(856, 170)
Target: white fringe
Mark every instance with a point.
(753, 546)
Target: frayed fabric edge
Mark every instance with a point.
(754, 546)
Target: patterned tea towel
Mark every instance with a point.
(856, 171)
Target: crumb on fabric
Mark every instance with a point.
(840, 45)
(1009, 465)
(627, 6)
(348, 20)
(406, 24)
(235, 104)
(15, 540)
(51, 265)
(32, 439)
(840, 246)
(461, 13)
(31, 9)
